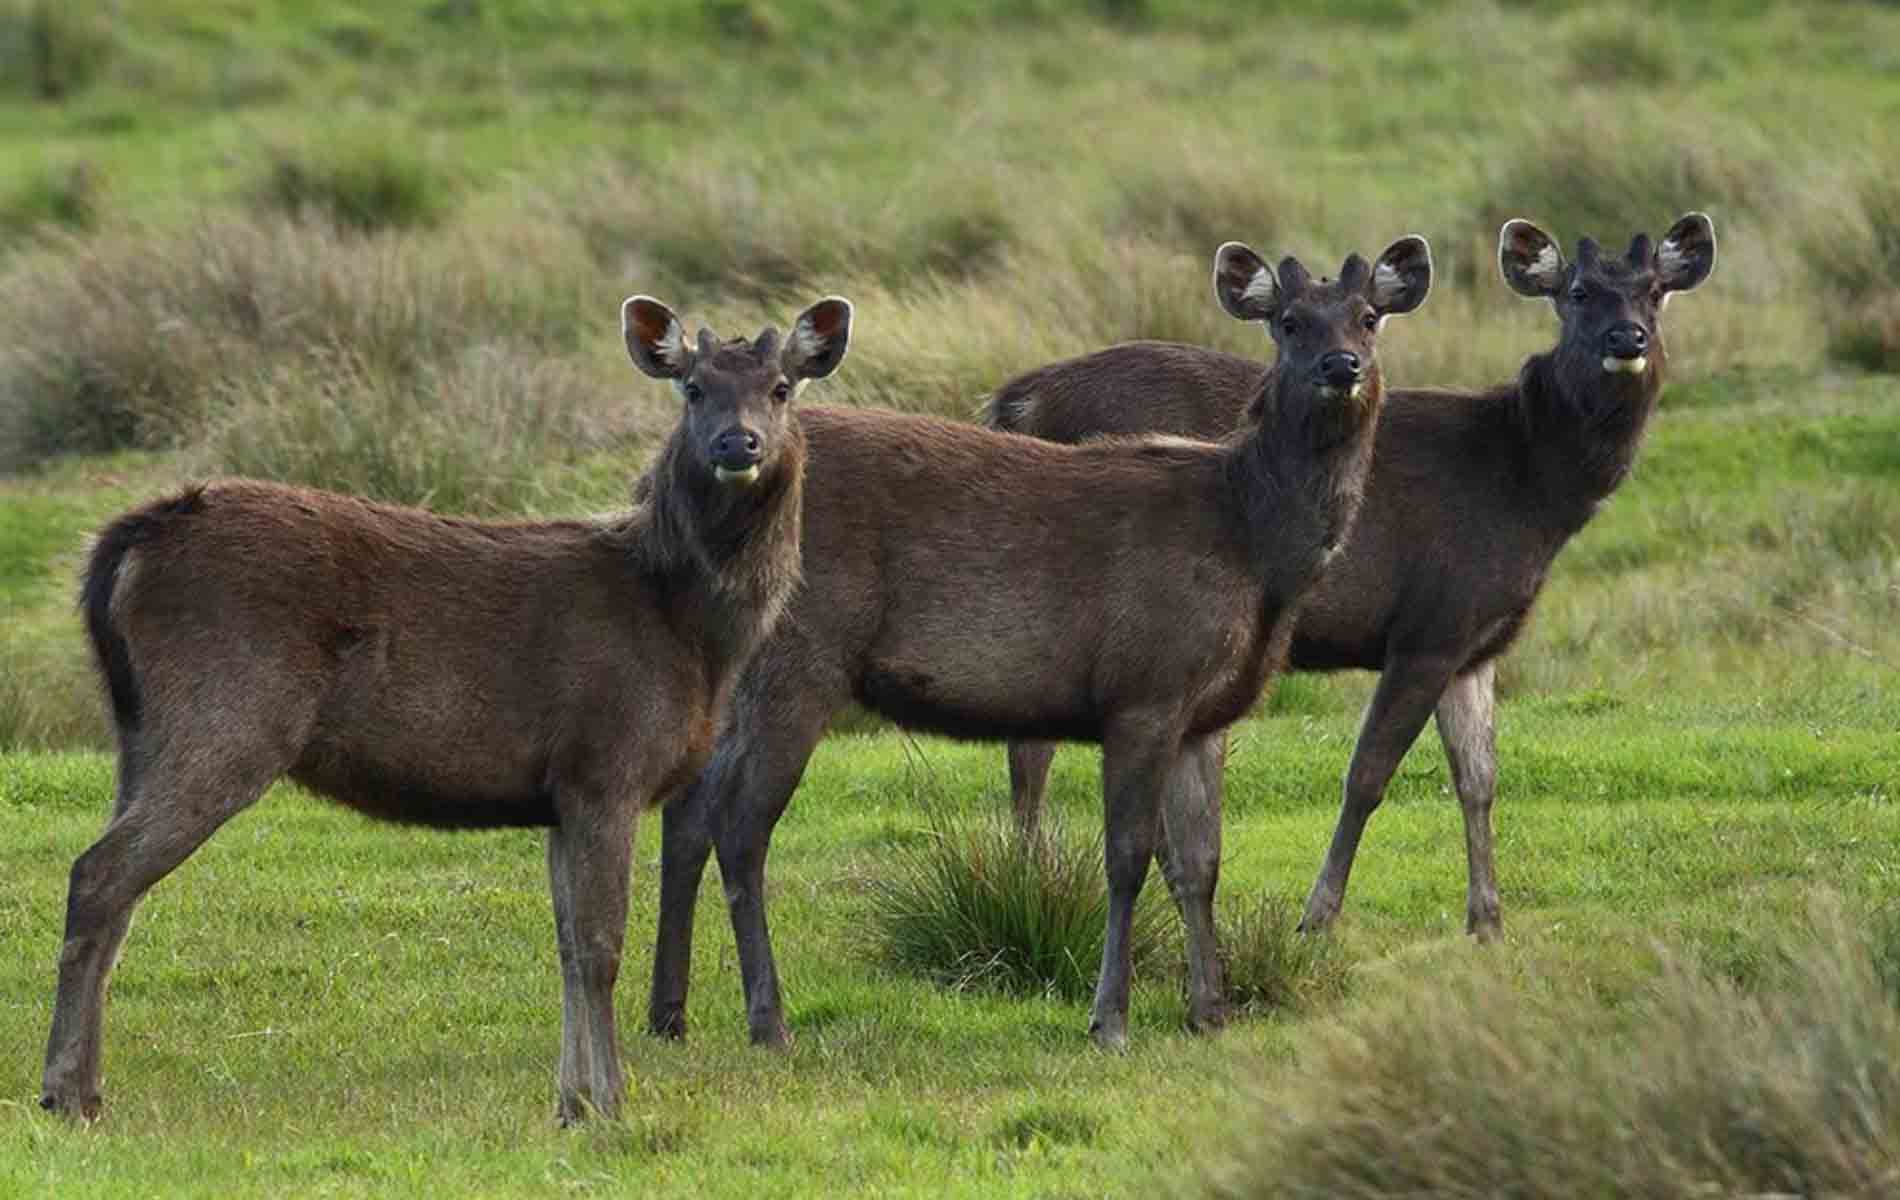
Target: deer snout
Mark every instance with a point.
(736, 455)
(1341, 370)
(1626, 348)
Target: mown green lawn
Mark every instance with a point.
(318, 1004)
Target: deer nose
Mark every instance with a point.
(737, 449)
(1626, 339)
(1340, 368)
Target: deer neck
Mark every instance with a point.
(729, 557)
(1583, 427)
(1299, 477)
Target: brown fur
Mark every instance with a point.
(1471, 496)
(433, 671)
(984, 585)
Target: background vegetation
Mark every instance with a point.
(380, 248)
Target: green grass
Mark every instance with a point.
(316, 993)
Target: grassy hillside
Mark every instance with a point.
(381, 247)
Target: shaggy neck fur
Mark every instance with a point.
(1583, 425)
(1300, 475)
(729, 556)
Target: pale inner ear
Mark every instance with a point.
(1387, 284)
(670, 348)
(1671, 260)
(1261, 288)
(1546, 270)
(805, 343)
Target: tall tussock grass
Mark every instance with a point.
(473, 435)
(1853, 254)
(1483, 1086)
(364, 181)
(133, 338)
(973, 905)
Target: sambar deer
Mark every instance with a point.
(443, 672)
(984, 585)
(1471, 496)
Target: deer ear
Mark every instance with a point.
(1402, 277)
(818, 339)
(1687, 253)
(1244, 284)
(1530, 260)
(656, 341)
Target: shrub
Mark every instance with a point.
(1482, 1087)
(976, 905)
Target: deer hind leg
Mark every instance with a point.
(169, 802)
(1028, 784)
(1407, 691)
(1189, 854)
(1467, 724)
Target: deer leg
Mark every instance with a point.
(166, 808)
(590, 855)
(1189, 855)
(1028, 781)
(1400, 704)
(1136, 766)
(761, 758)
(686, 839)
(1467, 724)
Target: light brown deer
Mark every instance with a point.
(445, 672)
(985, 585)
(1471, 496)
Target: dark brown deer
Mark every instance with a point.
(1471, 496)
(984, 585)
(444, 672)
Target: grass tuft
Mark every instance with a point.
(64, 196)
(973, 905)
(53, 48)
(469, 436)
(362, 181)
(1853, 255)
(1487, 1085)
(1268, 965)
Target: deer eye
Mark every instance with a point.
(782, 392)
(1289, 325)
(1370, 322)
(1578, 293)
(693, 393)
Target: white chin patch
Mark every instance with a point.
(1626, 366)
(745, 475)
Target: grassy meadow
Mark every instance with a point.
(380, 248)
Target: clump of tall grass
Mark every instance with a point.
(1853, 255)
(130, 338)
(1480, 1086)
(476, 434)
(49, 697)
(1268, 965)
(975, 905)
(756, 229)
(1608, 169)
(52, 47)
(62, 196)
(364, 181)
